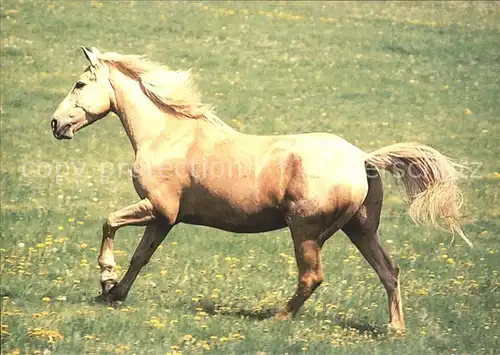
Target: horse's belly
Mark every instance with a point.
(233, 221)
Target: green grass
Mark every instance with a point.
(374, 73)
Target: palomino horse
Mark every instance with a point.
(190, 167)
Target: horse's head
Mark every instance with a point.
(88, 100)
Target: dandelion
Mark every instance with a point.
(4, 330)
(467, 112)
(156, 322)
(40, 315)
(121, 349)
(46, 299)
(187, 337)
(51, 335)
(84, 263)
(84, 245)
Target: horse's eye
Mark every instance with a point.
(79, 84)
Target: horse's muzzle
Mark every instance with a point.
(61, 131)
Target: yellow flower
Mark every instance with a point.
(467, 112)
(423, 292)
(121, 348)
(51, 335)
(39, 315)
(187, 337)
(4, 330)
(84, 245)
(46, 299)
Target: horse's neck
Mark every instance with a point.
(142, 119)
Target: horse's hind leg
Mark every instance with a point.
(362, 230)
(308, 257)
(308, 239)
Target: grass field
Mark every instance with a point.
(374, 73)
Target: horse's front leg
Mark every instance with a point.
(138, 214)
(153, 236)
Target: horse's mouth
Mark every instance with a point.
(63, 132)
(67, 131)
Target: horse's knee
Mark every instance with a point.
(110, 224)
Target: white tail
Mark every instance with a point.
(429, 179)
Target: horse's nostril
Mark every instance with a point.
(53, 124)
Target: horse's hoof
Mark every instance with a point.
(396, 329)
(283, 316)
(102, 298)
(109, 299)
(107, 285)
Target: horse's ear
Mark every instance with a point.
(91, 55)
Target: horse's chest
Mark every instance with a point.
(143, 177)
(150, 175)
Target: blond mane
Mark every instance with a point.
(169, 90)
